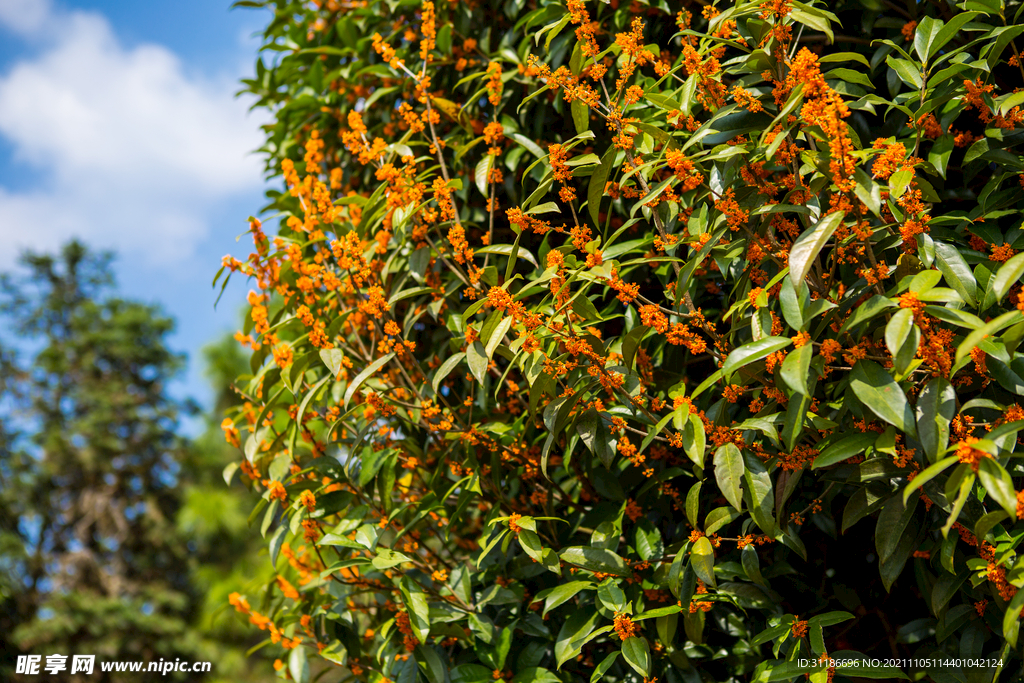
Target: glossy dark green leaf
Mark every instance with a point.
(928, 474)
(598, 180)
(719, 517)
(1008, 275)
(702, 559)
(553, 597)
(844, 449)
(596, 560)
(807, 246)
(868, 310)
(999, 485)
(603, 667)
(637, 654)
(796, 368)
(760, 494)
(752, 352)
(573, 634)
(880, 393)
(298, 665)
(729, 470)
(892, 522)
(936, 408)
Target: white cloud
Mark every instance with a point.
(24, 16)
(132, 153)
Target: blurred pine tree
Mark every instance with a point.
(117, 536)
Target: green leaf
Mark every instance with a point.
(539, 210)
(611, 596)
(719, 517)
(1007, 276)
(845, 448)
(531, 544)
(603, 667)
(596, 436)
(637, 654)
(658, 613)
(702, 559)
(446, 368)
(871, 308)
(908, 72)
(997, 482)
(948, 31)
(693, 504)
(528, 143)
(364, 375)
(418, 607)
(631, 344)
(535, 674)
(553, 597)
(432, 664)
(899, 181)
(754, 351)
(936, 408)
(496, 336)
(758, 486)
(694, 440)
(806, 247)
(1011, 618)
(892, 522)
(796, 369)
(771, 633)
(729, 470)
(509, 250)
(595, 190)
(476, 354)
(927, 475)
(991, 327)
(298, 665)
(987, 522)
(573, 634)
(956, 272)
(880, 393)
(580, 116)
(596, 560)
(927, 31)
(938, 155)
(648, 541)
(483, 168)
(962, 494)
(332, 359)
(830, 618)
(945, 588)
(898, 329)
(389, 558)
(812, 19)
(751, 565)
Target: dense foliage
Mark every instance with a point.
(634, 341)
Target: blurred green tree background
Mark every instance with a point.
(118, 535)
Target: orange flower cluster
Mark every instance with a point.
(624, 626)
(684, 170)
(824, 107)
(967, 454)
(700, 605)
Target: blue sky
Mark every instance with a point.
(119, 126)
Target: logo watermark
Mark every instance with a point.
(32, 665)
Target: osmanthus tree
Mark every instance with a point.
(635, 341)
